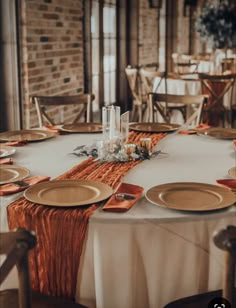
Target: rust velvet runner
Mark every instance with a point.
(60, 232)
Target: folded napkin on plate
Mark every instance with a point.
(228, 183)
(115, 205)
(234, 142)
(17, 143)
(55, 129)
(7, 160)
(12, 188)
(193, 130)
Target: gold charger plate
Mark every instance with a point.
(191, 196)
(12, 173)
(68, 193)
(26, 134)
(154, 127)
(232, 172)
(6, 151)
(83, 128)
(218, 132)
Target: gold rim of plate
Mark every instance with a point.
(12, 173)
(191, 196)
(82, 128)
(30, 135)
(68, 193)
(218, 132)
(6, 150)
(154, 127)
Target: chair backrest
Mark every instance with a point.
(156, 100)
(132, 77)
(147, 77)
(15, 245)
(216, 87)
(226, 239)
(82, 101)
(184, 64)
(228, 64)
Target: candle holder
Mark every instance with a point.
(146, 145)
(110, 122)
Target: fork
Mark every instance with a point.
(21, 183)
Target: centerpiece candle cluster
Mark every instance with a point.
(114, 144)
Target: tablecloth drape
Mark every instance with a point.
(61, 232)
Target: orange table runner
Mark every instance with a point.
(60, 232)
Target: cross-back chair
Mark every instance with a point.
(158, 103)
(16, 245)
(45, 113)
(224, 239)
(218, 88)
(228, 64)
(184, 64)
(148, 82)
(139, 100)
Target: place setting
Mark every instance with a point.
(191, 196)
(154, 127)
(218, 132)
(80, 127)
(5, 154)
(25, 135)
(68, 193)
(6, 151)
(14, 179)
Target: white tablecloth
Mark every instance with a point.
(149, 255)
(190, 84)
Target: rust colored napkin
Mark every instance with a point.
(234, 142)
(114, 205)
(18, 143)
(193, 130)
(7, 160)
(55, 129)
(12, 188)
(228, 183)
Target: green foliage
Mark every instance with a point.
(217, 24)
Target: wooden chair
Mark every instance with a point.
(184, 64)
(216, 87)
(228, 64)
(159, 103)
(83, 102)
(224, 239)
(139, 99)
(15, 245)
(148, 78)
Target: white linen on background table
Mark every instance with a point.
(149, 255)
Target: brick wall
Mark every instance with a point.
(51, 35)
(148, 34)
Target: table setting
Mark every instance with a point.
(124, 207)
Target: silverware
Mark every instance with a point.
(21, 183)
(124, 196)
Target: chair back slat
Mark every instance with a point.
(217, 87)
(82, 101)
(198, 101)
(15, 245)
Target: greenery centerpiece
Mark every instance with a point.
(217, 23)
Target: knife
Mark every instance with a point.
(124, 196)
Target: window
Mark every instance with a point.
(103, 51)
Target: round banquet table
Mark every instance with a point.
(149, 255)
